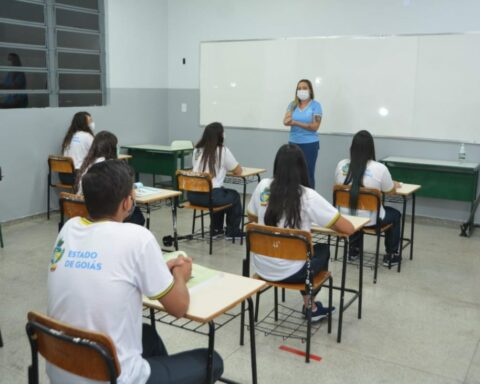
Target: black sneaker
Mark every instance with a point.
(320, 313)
(391, 260)
(236, 234)
(217, 233)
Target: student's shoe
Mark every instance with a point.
(320, 313)
(353, 254)
(217, 233)
(391, 259)
(236, 234)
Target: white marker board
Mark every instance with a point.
(400, 86)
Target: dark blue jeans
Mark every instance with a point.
(221, 196)
(310, 151)
(318, 263)
(189, 367)
(392, 235)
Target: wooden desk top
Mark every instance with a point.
(247, 171)
(216, 296)
(407, 189)
(158, 195)
(357, 221)
(439, 163)
(156, 148)
(123, 156)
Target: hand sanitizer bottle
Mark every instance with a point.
(462, 155)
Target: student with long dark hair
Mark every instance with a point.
(361, 170)
(104, 147)
(77, 142)
(211, 156)
(286, 201)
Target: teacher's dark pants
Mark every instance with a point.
(310, 151)
(189, 367)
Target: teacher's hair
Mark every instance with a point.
(361, 151)
(104, 145)
(79, 123)
(289, 175)
(212, 138)
(296, 101)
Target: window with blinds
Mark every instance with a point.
(51, 53)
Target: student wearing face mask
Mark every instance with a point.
(303, 116)
(77, 143)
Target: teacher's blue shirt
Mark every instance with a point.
(300, 135)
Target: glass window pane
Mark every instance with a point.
(23, 101)
(23, 80)
(11, 33)
(69, 81)
(92, 4)
(77, 40)
(26, 57)
(77, 19)
(17, 10)
(78, 61)
(75, 100)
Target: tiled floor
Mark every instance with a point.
(419, 326)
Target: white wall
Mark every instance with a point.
(137, 43)
(192, 21)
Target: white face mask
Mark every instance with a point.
(91, 125)
(303, 94)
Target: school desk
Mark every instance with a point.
(209, 300)
(451, 180)
(358, 224)
(157, 160)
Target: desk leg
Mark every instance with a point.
(152, 317)
(243, 206)
(412, 226)
(253, 355)
(211, 343)
(402, 233)
(148, 216)
(360, 279)
(342, 290)
(174, 219)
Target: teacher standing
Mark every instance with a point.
(303, 116)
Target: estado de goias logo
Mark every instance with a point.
(57, 255)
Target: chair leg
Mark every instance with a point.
(1, 243)
(1, 339)
(377, 254)
(336, 248)
(193, 221)
(203, 227)
(276, 303)
(211, 231)
(330, 294)
(257, 305)
(283, 295)
(309, 330)
(48, 202)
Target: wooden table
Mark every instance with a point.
(213, 298)
(157, 160)
(358, 224)
(248, 175)
(157, 195)
(122, 156)
(452, 180)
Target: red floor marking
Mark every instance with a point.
(299, 352)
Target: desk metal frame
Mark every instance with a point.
(212, 327)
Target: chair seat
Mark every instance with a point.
(372, 231)
(319, 279)
(64, 186)
(187, 204)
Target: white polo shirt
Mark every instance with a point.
(314, 209)
(79, 147)
(223, 164)
(98, 273)
(376, 176)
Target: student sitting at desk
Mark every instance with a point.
(104, 147)
(286, 201)
(77, 142)
(99, 270)
(361, 170)
(211, 156)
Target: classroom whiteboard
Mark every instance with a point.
(399, 86)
